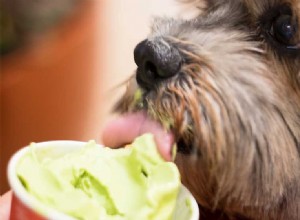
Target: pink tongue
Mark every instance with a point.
(126, 128)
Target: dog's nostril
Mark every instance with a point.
(156, 60)
(150, 70)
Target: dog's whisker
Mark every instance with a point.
(181, 42)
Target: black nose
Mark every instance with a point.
(156, 61)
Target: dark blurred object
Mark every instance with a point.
(21, 19)
(8, 36)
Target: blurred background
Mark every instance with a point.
(61, 64)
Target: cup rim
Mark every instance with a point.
(50, 213)
(20, 192)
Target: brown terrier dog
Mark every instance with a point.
(227, 84)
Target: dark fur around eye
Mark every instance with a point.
(279, 26)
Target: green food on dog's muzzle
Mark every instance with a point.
(102, 183)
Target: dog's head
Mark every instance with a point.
(227, 84)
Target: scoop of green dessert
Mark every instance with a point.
(102, 183)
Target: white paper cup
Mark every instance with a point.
(26, 207)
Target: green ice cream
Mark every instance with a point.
(100, 183)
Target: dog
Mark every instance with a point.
(227, 84)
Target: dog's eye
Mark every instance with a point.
(279, 26)
(284, 30)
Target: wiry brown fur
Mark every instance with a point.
(236, 104)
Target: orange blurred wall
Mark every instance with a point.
(46, 87)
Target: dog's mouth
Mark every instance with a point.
(183, 137)
(127, 127)
(183, 144)
(184, 147)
